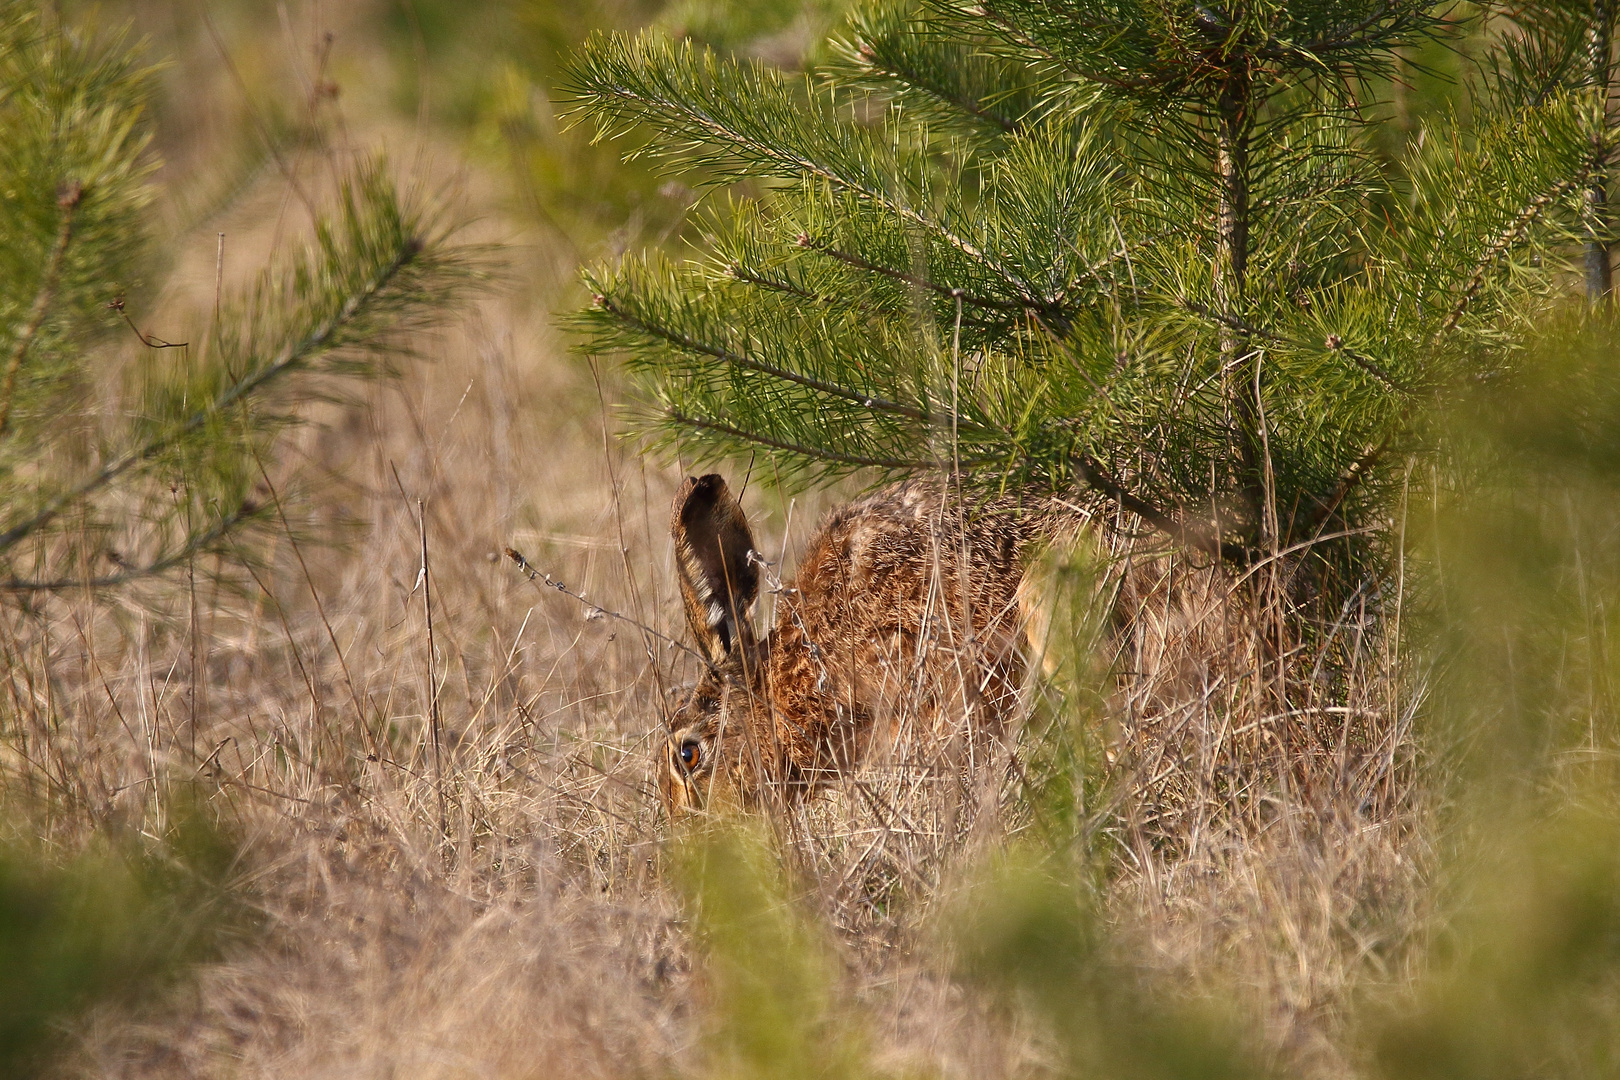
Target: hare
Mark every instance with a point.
(905, 619)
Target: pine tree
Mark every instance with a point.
(83, 505)
(1138, 247)
(1568, 46)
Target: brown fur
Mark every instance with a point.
(905, 617)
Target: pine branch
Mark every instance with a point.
(1170, 523)
(918, 80)
(1334, 343)
(748, 363)
(744, 116)
(1362, 466)
(1113, 77)
(293, 357)
(196, 545)
(948, 291)
(68, 201)
(1482, 201)
(810, 452)
(892, 46)
(1353, 36)
(781, 285)
(1515, 232)
(1183, 53)
(1359, 469)
(1353, 477)
(787, 287)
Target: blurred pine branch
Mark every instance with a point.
(176, 480)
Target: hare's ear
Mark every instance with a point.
(713, 549)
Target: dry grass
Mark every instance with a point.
(494, 901)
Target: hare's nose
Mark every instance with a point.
(679, 795)
(672, 789)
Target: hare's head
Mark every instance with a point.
(705, 757)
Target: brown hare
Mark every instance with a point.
(904, 620)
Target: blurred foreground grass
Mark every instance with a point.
(112, 923)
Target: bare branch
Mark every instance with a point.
(537, 576)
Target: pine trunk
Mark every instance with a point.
(1599, 275)
(1231, 272)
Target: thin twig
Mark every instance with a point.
(151, 341)
(538, 576)
(1354, 475)
(271, 145)
(432, 677)
(1167, 522)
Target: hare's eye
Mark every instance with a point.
(690, 754)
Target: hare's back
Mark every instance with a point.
(907, 556)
